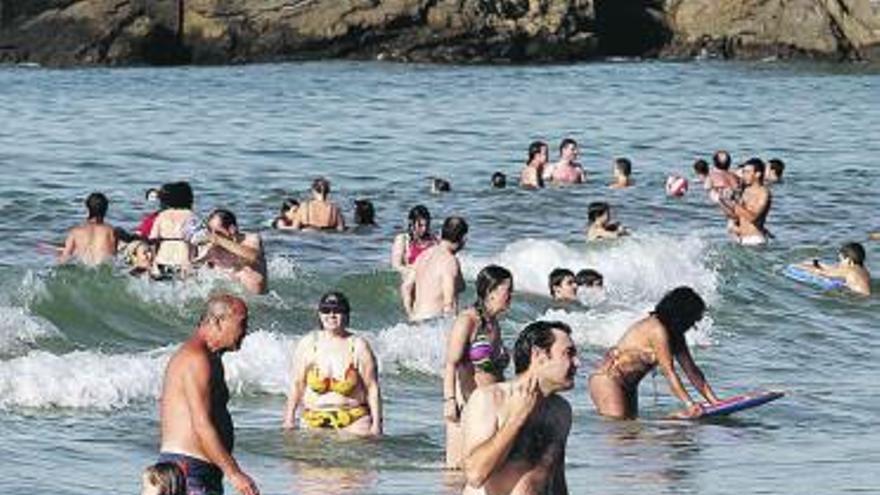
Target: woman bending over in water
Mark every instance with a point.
(656, 340)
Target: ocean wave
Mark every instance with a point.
(19, 328)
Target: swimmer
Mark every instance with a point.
(775, 169)
(701, 172)
(499, 180)
(475, 354)
(335, 377)
(515, 432)
(93, 242)
(563, 285)
(622, 171)
(431, 288)
(656, 340)
(287, 215)
(409, 245)
(600, 224)
(532, 175)
(319, 212)
(721, 182)
(566, 170)
(173, 228)
(364, 213)
(238, 253)
(850, 269)
(163, 478)
(749, 214)
(590, 279)
(439, 185)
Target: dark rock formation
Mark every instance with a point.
(65, 32)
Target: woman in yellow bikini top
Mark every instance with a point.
(351, 402)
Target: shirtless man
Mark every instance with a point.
(93, 242)
(749, 213)
(531, 176)
(721, 182)
(515, 432)
(431, 288)
(197, 430)
(851, 269)
(234, 251)
(566, 170)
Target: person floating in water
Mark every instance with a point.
(567, 170)
(335, 377)
(431, 288)
(748, 214)
(775, 169)
(600, 225)
(532, 175)
(515, 432)
(93, 242)
(234, 251)
(287, 215)
(499, 180)
(475, 354)
(850, 269)
(622, 170)
(563, 285)
(319, 212)
(656, 340)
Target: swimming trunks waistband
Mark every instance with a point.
(202, 477)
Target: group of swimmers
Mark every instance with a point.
(506, 435)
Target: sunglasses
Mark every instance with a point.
(327, 311)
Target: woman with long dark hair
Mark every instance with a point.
(655, 341)
(418, 237)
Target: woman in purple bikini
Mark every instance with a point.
(475, 355)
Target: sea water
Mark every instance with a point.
(82, 351)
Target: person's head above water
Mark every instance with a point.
(364, 212)
(853, 252)
(96, 205)
(454, 231)
(701, 167)
(721, 160)
(321, 187)
(488, 280)
(499, 180)
(222, 221)
(753, 171)
(589, 278)
(151, 194)
(568, 149)
(419, 222)
(546, 348)
(623, 167)
(538, 153)
(288, 206)
(597, 210)
(439, 185)
(678, 311)
(776, 168)
(562, 284)
(176, 195)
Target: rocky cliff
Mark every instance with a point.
(65, 32)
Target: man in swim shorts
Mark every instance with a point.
(197, 430)
(93, 242)
(515, 432)
(234, 251)
(431, 288)
(748, 214)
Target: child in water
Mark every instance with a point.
(851, 269)
(600, 225)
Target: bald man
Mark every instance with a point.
(197, 430)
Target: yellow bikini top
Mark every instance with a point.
(321, 384)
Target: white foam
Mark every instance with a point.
(417, 347)
(18, 328)
(283, 267)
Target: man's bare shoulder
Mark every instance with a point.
(191, 357)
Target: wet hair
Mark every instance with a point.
(499, 180)
(589, 278)
(536, 334)
(454, 230)
(701, 167)
(854, 252)
(678, 311)
(535, 149)
(565, 142)
(596, 209)
(287, 205)
(364, 212)
(416, 213)
(167, 477)
(321, 186)
(777, 166)
(335, 300)
(176, 195)
(97, 204)
(489, 279)
(624, 166)
(757, 164)
(557, 276)
(440, 185)
(227, 218)
(721, 159)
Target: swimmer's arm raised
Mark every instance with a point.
(455, 347)
(695, 375)
(371, 382)
(297, 384)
